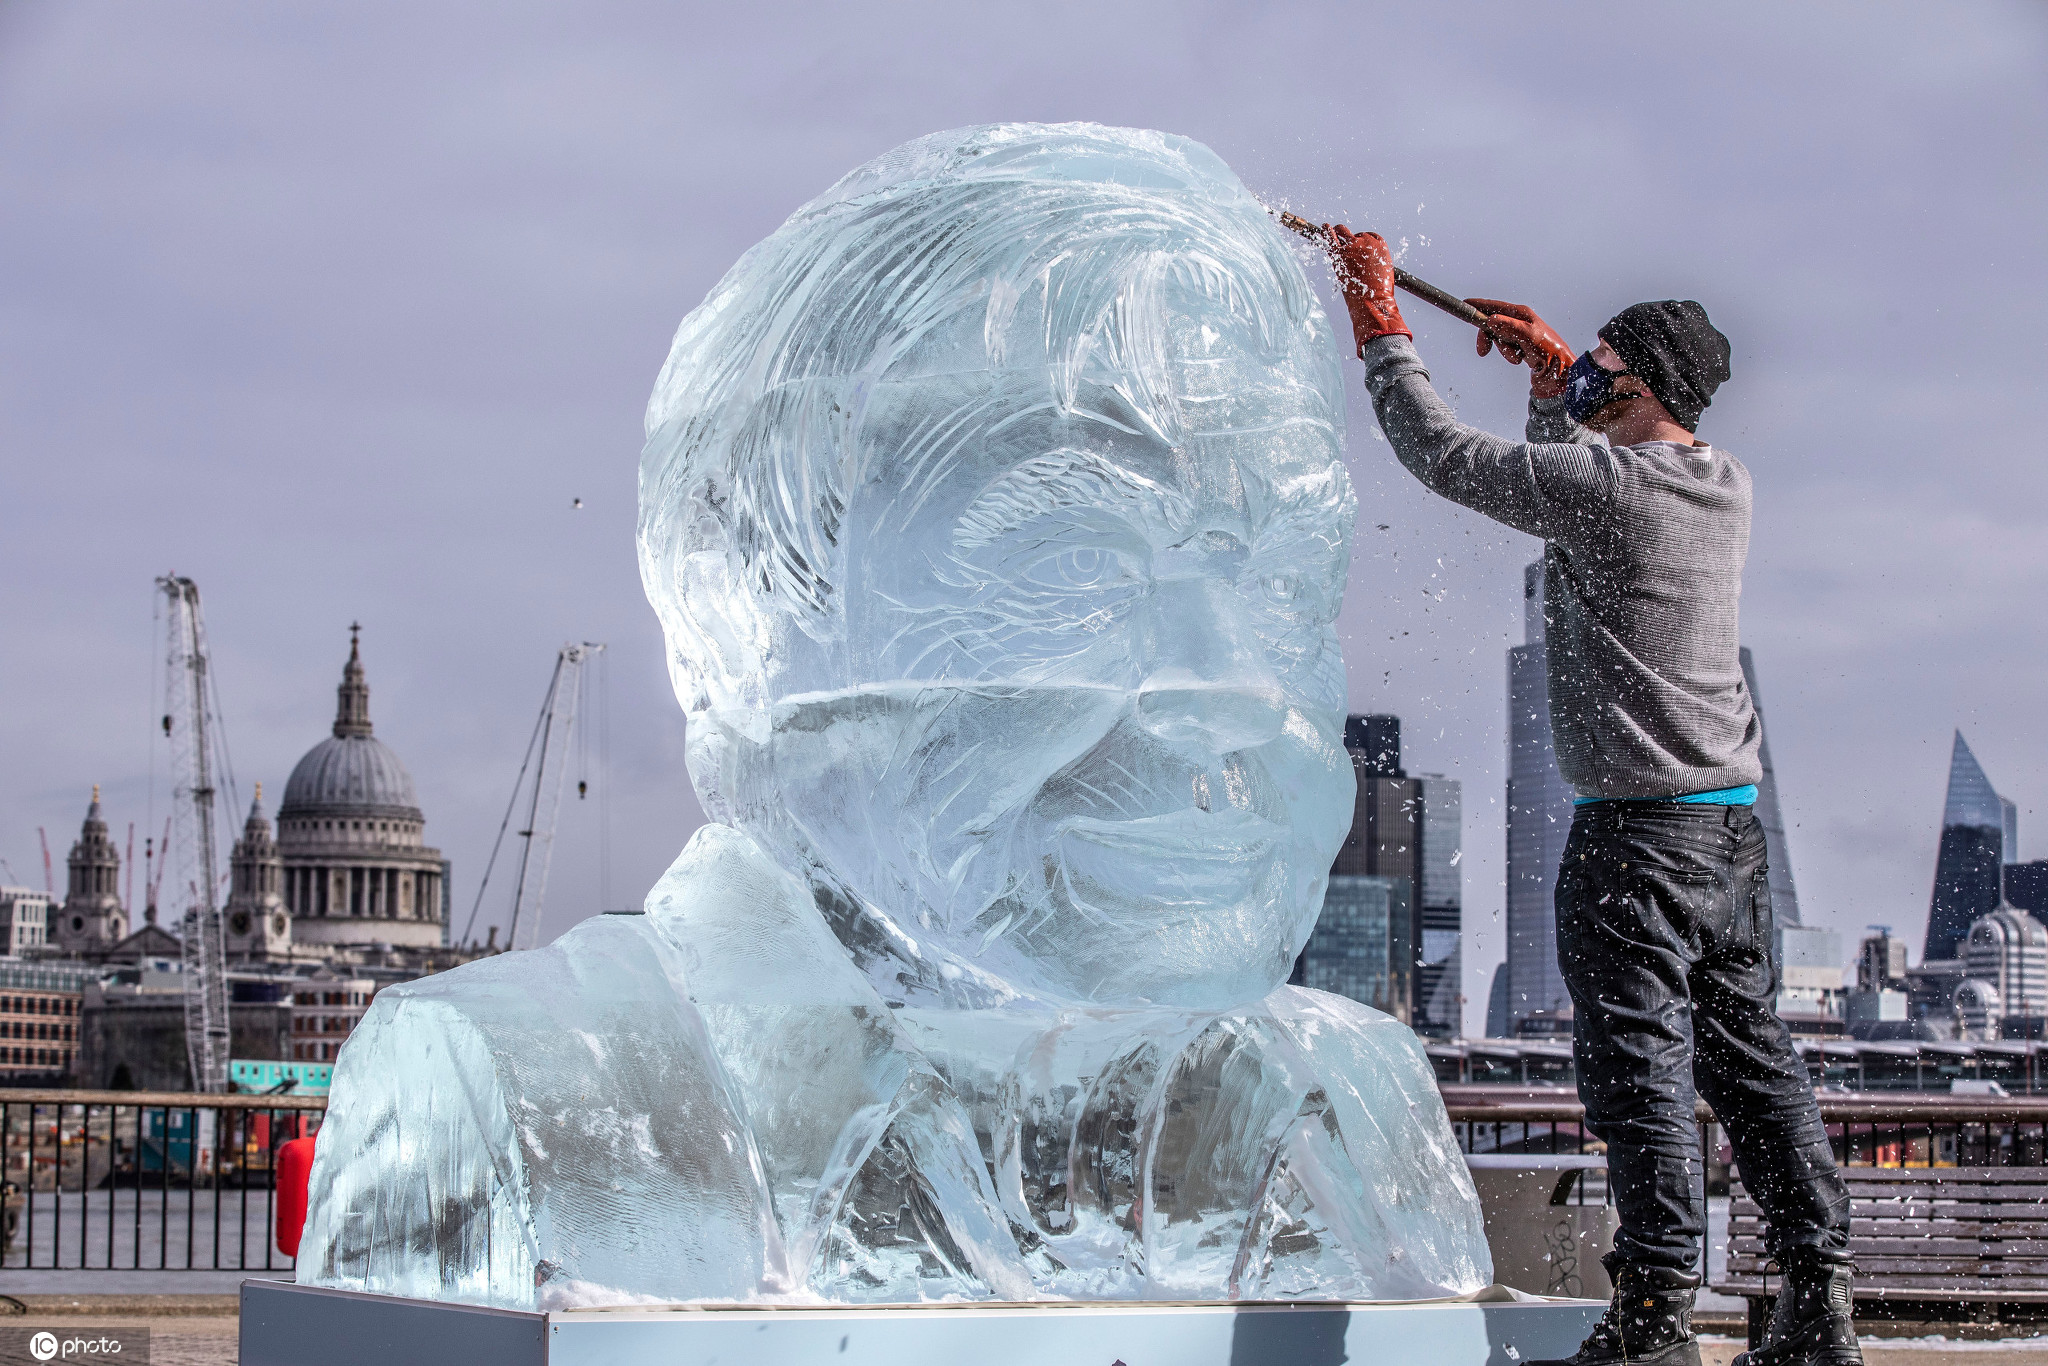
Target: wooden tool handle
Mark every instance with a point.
(1421, 289)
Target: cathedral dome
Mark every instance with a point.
(349, 773)
(352, 771)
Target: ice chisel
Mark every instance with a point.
(1421, 289)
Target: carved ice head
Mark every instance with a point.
(994, 511)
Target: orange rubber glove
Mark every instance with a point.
(1365, 272)
(1524, 339)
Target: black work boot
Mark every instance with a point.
(1813, 1323)
(1647, 1323)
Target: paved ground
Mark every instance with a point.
(1914, 1352)
(184, 1340)
(210, 1340)
(201, 1332)
(181, 1283)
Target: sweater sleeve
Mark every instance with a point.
(1544, 488)
(1549, 422)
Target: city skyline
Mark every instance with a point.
(1374, 740)
(346, 359)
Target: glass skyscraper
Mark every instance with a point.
(1360, 944)
(1388, 933)
(1539, 818)
(1784, 896)
(1979, 835)
(1439, 956)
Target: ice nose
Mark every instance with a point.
(1221, 717)
(1208, 681)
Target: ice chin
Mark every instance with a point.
(1150, 936)
(981, 846)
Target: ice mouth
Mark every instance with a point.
(1188, 855)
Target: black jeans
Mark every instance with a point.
(1665, 937)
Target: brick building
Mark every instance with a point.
(325, 1011)
(39, 1026)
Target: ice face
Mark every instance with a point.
(995, 512)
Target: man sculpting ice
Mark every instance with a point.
(994, 512)
(1664, 927)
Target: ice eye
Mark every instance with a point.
(1080, 567)
(1281, 588)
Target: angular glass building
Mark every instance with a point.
(1976, 825)
(1784, 895)
(1539, 817)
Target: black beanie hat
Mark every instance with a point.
(1670, 346)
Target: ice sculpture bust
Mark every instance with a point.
(994, 512)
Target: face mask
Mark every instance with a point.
(1588, 388)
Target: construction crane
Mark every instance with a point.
(547, 759)
(198, 758)
(153, 874)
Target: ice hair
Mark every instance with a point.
(1048, 247)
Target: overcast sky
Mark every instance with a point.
(338, 309)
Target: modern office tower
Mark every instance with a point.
(1810, 995)
(1881, 962)
(2007, 951)
(1376, 739)
(1497, 1004)
(2026, 885)
(1361, 947)
(1366, 942)
(1968, 869)
(1539, 817)
(1439, 958)
(1811, 999)
(1784, 896)
(1878, 1005)
(25, 916)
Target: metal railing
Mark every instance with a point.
(1937, 1130)
(144, 1181)
(127, 1180)
(1933, 1130)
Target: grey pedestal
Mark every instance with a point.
(289, 1325)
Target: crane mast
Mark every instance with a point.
(557, 721)
(191, 720)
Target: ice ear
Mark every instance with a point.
(718, 642)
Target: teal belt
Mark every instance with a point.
(1720, 796)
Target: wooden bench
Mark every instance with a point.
(1940, 1244)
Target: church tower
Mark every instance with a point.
(92, 917)
(258, 926)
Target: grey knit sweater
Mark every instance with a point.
(1642, 579)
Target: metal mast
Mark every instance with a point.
(557, 720)
(191, 720)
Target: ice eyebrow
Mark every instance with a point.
(1058, 480)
